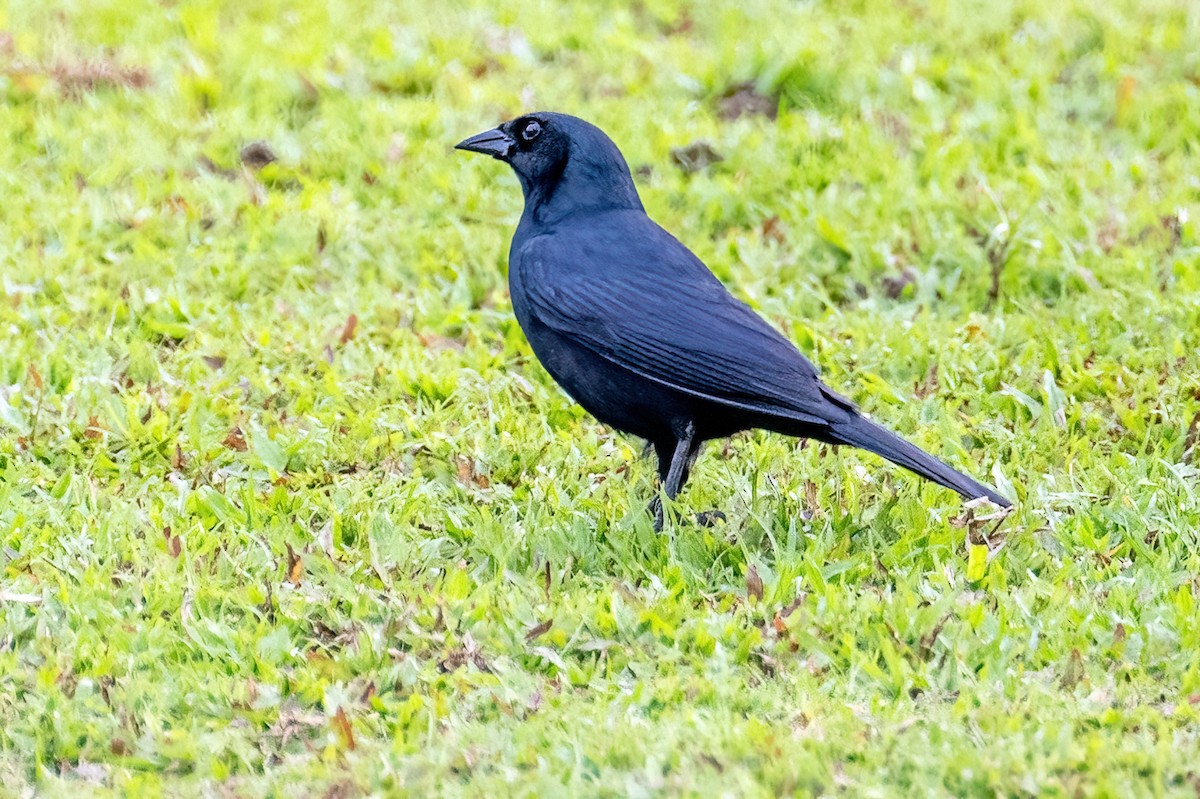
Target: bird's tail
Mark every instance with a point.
(861, 432)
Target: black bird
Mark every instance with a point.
(640, 332)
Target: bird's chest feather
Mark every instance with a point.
(550, 348)
(518, 291)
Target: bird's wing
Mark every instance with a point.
(643, 301)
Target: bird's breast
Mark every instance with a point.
(518, 293)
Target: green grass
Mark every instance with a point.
(250, 547)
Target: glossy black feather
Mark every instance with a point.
(640, 332)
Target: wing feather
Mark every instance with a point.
(644, 302)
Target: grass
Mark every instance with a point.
(288, 508)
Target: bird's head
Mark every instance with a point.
(564, 164)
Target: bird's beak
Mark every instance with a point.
(495, 143)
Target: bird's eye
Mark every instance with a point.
(531, 130)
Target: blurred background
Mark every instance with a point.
(262, 395)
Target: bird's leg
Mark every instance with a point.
(656, 509)
(683, 456)
(680, 461)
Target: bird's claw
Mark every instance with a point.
(655, 508)
(709, 518)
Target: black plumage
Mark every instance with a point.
(639, 331)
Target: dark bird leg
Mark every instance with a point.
(675, 459)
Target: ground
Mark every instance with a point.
(287, 507)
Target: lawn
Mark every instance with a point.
(288, 508)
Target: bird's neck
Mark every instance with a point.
(581, 187)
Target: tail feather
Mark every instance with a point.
(861, 432)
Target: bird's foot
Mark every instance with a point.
(709, 518)
(655, 509)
